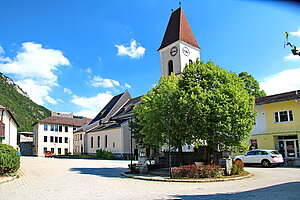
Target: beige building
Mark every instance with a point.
(8, 127)
(55, 134)
(109, 130)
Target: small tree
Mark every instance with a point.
(162, 117)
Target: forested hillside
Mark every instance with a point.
(17, 101)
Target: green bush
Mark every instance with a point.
(237, 167)
(9, 160)
(104, 154)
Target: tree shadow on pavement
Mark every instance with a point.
(283, 191)
(104, 172)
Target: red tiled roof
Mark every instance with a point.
(78, 122)
(178, 29)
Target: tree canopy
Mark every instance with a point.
(205, 103)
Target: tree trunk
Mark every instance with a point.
(180, 155)
(212, 153)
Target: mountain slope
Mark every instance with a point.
(17, 101)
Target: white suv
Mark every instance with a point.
(261, 156)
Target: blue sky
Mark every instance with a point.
(73, 56)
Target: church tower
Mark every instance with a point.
(179, 45)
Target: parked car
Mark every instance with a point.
(261, 156)
(48, 154)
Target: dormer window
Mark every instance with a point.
(170, 67)
(283, 116)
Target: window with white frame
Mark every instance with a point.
(283, 116)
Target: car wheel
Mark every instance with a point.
(266, 163)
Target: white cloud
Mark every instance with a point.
(133, 51)
(292, 57)
(284, 81)
(297, 33)
(33, 68)
(35, 91)
(67, 90)
(90, 106)
(50, 100)
(103, 82)
(127, 85)
(89, 70)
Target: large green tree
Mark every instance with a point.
(205, 103)
(252, 85)
(222, 103)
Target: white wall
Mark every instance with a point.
(179, 60)
(10, 134)
(113, 135)
(78, 143)
(260, 120)
(40, 144)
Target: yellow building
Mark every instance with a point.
(278, 125)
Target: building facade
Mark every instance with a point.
(8, 127)
(278, 125)
(109, 130)
(55, 134)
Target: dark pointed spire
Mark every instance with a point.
(178, 29)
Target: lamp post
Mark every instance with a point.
(169, 143)
(130, 144)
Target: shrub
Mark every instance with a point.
(194, 171)
(237, 167)
(104, 154)
(9, 160)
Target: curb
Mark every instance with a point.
(7, 179)
(162, 179)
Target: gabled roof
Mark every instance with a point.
(77, 122)
(104, 112)
(278, 97)
(178, 29)
(4, 108)
(127, 110)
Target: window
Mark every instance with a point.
(66, 139)
(66, 129)
(56, 128)
(45, 149)
(106, 141)
(51, 127)
(45, 127)
(283, 116)
(92, 142)
(114, 144)
(74, 128)
(98, 142)
(80, 136)
(66, 151)
(56, 139)
(60, 139)
(60, 128)
(52, 150)
(59, 150)
(51, 139)
(45, 138)
(170, 67)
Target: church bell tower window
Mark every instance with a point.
(170, 66)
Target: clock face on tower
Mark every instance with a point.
(173, 51)
(186, 51)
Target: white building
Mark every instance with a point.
(55, 134)
(8, 127)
